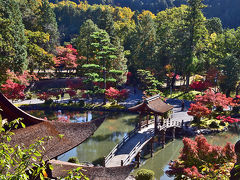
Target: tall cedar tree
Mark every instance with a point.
(195, 26)
(12, 40)
(48, 24)
(84, 40)
(142, 44)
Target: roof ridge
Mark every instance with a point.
(153, 97)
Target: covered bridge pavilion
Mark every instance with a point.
(154, 106)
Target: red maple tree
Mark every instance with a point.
(211, 99)
(198, 110)
(200, 85)
(66, 57)
(13, 90)
(115, 94)
(16, 83)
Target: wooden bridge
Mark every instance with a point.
(127, 149)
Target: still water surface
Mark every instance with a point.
(113, 129)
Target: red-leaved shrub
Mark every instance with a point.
(199, 159)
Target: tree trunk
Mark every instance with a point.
(228, 91)
(188, 80)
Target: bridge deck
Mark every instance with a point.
(130, 149)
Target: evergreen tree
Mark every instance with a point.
(195, 26)
(229, 67)
(142, 44)
(120, 63)
(83, 41)
(106, 22)
(12, 39)
(48, 24)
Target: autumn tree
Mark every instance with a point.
(39, 16)
(13, 88)
(66, 58)
(39, 58)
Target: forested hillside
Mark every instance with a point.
(177, 41)
(227, 11)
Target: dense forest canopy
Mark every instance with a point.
(106, 42)
(227, 11)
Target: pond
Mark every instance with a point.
(113, 129)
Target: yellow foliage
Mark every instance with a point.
(213, 36)
(145, 13)
(83, 5)
(198, 77)
(67, 3)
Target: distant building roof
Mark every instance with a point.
(152, 105)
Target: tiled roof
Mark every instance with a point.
(152, 104)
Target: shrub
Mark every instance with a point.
(73, 160)
(199, 159)
(99, 161)
(145, 174)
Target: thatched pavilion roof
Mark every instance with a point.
(73, 135)
(152, 105)
(36, 128)
(60, 169)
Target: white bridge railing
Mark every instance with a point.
(119, 145)
(168, 123)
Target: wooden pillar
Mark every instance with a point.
(148, 117)
(173, 133)
(121, 162)
(138, 158)
(139, 123)
(155, 124)
(104, 161)
(151, 141)
(163, 138)
(161, 120)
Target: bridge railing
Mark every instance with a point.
(131, 154)
(120, 144)
(147, 122)
(168, 123)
